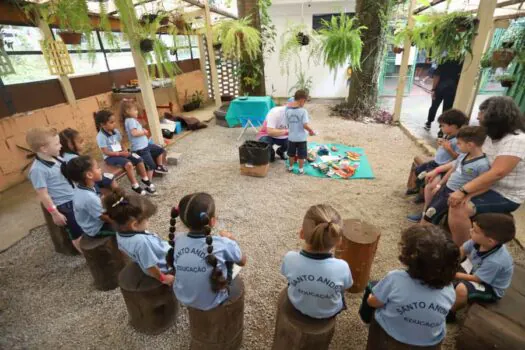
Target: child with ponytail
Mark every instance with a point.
(316, 280)
(200, 260)
(131, 214)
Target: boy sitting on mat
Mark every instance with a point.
(297, 121)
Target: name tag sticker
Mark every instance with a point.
(478, 286)
(116, 148)
(235, 271)
(467, 265)
(135, 155)
(109, 176)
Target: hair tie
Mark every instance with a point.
(203, 215)
(120, 201)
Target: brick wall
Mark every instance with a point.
(13, 129)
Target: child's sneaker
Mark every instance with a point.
(290, 169)
(139, 190)
(415, 218)
(151, 190)
(412, 191)
(281, 154)
(161, 169)
(419, 199)
(301, 171)
(427, 126)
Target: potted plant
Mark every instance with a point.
(303, 39)
(397, 49)
(506, 80)
(502, 57)
(194, 102)
(341, 42)
(291, 49)
(452, 35)
(240, 41)
(303, 83)
(486, 61)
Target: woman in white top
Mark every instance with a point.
(502, 188)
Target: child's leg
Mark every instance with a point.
(76, 244)
(291, 153)
(429, 189)
(74, 230)
(141, 170)
(131, 174)
(411, 183)
(461, 297)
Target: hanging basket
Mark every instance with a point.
(502, 58)
(507, 83)
(397, 50)
(146, 45)
(303, 39)
(71, 38)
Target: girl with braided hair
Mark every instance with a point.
(200, 261)
(316, 280)
(131, 214)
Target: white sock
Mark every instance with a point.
(145, 178)
(135, 185)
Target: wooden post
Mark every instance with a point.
(220, 328)
(358, 248)
(59, 236)
(404, 66)
(202, 63)
(63, 79)
(151, 305)
(211, 55)
(104, 260)
(467, 86)
(295, 331)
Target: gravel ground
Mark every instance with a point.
(47, 300)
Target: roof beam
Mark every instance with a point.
(134, 5)
(512, 16)
(509, 3)
(212, 9)
(423, 8)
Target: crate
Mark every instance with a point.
(248, 169)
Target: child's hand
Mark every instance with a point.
(436, 189)
(168, 279)
(146, 132)
(226, 234)
(58, 218)
(430, 176)
(124, 154)
(312, 133)
(446, 145)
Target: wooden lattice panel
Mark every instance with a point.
(226, 71)
(6, 67)
(57, 57)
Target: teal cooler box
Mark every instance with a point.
(254, 158)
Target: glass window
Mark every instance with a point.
(194, 40)
(83, 65)
(28, 68)
(183, 54)
(120, 60)
(18, 38)
(196, 53)
(120, 39)
(182, 41)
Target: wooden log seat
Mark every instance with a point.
(358, 247)
(59, 236)
(378, 339)
(151, 305)
(220, 328)
(295, 331)
(104, 260)
(418, 160)
(499, 325)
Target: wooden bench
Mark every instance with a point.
(220, 328)
(295, 331)
(499, 325)
(151, 305)
(104, 260)
(418, 160)
(59, 236)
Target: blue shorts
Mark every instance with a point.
(488, 295)
(493, 202)
(428, 166)
(106, 182)
(72, 226)
(298, 149)
(149, 154)
(440, 204)
(122, 161)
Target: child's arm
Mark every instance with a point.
(440, 169)
(43, 196)
(448, 147)
(309, 129)
(374, 302)
(242, 261)
(109, 153)
(467, 277)
(156, 273)
(136, 132)
(462, 253)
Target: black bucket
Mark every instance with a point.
(254, 153)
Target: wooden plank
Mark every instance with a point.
(470, 73)
(211, 55)
(423, 8)
(404, 66)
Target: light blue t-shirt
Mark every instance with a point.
(110, 141)
(295, 120)
(467, 170)
(47, 174)
(192, 280)
(442, 156)
(88, 209)
(137, 142)
(145, 248)
(413, 313)
(494, 267)
(316, 282)
(68, 156)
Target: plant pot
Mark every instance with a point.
(191, 106)
(164, 21)
(303, 39)
(507, 83)
(181, 25)
(502, 58)
(226, 98)
(146, 45)
(71, 38)
(148, 18)
(397, 50)
(507, 44)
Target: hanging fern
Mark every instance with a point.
(341, 42)
(291, 49)
(240, 41)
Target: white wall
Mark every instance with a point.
(323, 85)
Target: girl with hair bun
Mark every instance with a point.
(317, 280)
(202, 262)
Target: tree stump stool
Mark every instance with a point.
(500, 325)
(220, 328)
(418, 160)
(151, 305)
(295, 331)
(59, 236)
(104, 260)
(378, 339)
(358, 248)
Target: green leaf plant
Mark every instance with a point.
(240, 41)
